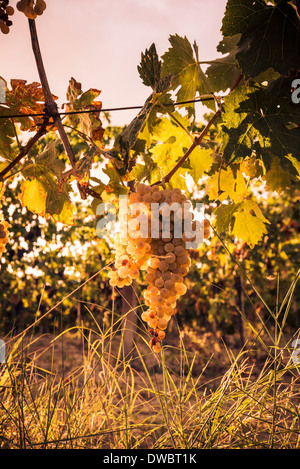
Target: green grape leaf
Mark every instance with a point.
(130, 133)
(165, 157)
(223, 72)
(144, 171)
(252, 207)
(181, 60)
(270, 35)
(150, 67)
(129, 138)
(264, 120)
(276, 178)
(114, 187)
(7, 134)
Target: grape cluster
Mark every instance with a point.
(154, 240)
(3, 235)
(31, 8)
(5, 12)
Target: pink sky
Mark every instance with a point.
(99, 43)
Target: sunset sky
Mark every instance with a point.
(99, 43)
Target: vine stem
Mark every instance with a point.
(51, 106)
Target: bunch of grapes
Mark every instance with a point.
(3, 235)
(31, 8)
(153, 238)
(5, 12)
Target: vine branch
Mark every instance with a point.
(50, 104)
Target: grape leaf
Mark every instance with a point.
(149, 70)
(130, 133)
(88, 123)
(237, 137)
(146, 170)
(33, 196)
(276, 178)
(244, 220)
(248, 227)
(81, 170)
(200, 161)
(252, 167)
(165, 157)
(252, 207)
(150, 67)
(226, 184)
(66, 215)
(168, 143)
(25, 98)
(223, 71)
(42, 196)
(173, 139)
(21, 98)
(41, 191)
(115, 186)
(224, 216)
(7, 135)
(263, 119)
(181, 60)
(49, 158)
(270, 35)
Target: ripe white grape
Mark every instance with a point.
(163, 257)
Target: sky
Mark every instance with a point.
(99, 43)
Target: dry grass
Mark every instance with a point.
(68, 392)
(79, 390)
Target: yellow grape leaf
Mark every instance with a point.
(200, 161)
(230, 185)
(66, 215)
(224, 216)
(248, 228)
(250, 205)
(34, 196)
(276, 178)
